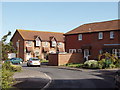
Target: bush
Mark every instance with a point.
(90, 64)
(108, 60)
(76, 65)
(16, 68)
(7, 74)
(7, 79)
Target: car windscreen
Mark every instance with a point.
(35, 59)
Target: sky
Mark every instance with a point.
(54, 16)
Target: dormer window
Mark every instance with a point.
(53, 43)
(111, 35)
(38, 42)
(100, 35)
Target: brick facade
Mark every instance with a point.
(61, 59)
(90, 33)
(26, 51)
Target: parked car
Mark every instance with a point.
(15, 60)
(117, 79)
(33, 62)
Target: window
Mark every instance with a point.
(100, 51)
(29, 43)
(80, 37)
(53, 43)
(79, 50)
(17, 44)
(116, 52)
(100, 35)
(46, 43)
(111, 35)
(38, 43)
(72, 50)
(60, 44)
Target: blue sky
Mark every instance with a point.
(54, 16)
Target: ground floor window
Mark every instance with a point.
(79, 50)
(116, 52)
(72, 50)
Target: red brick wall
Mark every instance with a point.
(14, 39)
(61, 59)
(53, 59)
(72, 41)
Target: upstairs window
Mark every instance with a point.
(46, 44)
(111, 35)
(60, 44)
(53, 43)
(38, 43)
(100, 35)
(80, 37)
(29, 43)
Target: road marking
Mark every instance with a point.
(47, 85)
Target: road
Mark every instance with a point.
(64, 78)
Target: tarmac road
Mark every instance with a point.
(65, 78)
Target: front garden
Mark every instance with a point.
(104, 61)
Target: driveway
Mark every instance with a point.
(65, 78)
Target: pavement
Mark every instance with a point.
(30, 79)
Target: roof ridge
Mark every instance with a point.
(101, 22)
(39, 31)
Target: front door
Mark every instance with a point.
(86, 54)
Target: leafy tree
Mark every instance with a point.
(6, 47)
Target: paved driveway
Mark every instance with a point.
(64, 78)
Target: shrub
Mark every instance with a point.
(90, 64)
(7, 74)
(7, 79)
(108, 60)
(16, 68)
(112, 66)
(76, 65)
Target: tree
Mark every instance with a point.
(6, 47)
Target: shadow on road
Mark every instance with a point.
(23, 83)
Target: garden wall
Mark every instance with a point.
(61, 59)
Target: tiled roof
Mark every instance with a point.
(44, 36)
(96, 27)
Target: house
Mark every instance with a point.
(94, 38)
(37, 43)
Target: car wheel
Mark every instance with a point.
(28, 65)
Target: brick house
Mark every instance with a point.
(94, 38)
(37, 43)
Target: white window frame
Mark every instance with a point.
(114, 51)
(54, 43)
(79, 50)
(111, 35)
(29, 43)
(118, 52)
(100, 35)
(60, 44)
(72, 50)
(46, 43)
(38, 42)
(80, 37)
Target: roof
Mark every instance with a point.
(44, 35)
(96, 27)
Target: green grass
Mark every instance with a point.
(76, 65)
(44, 61)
